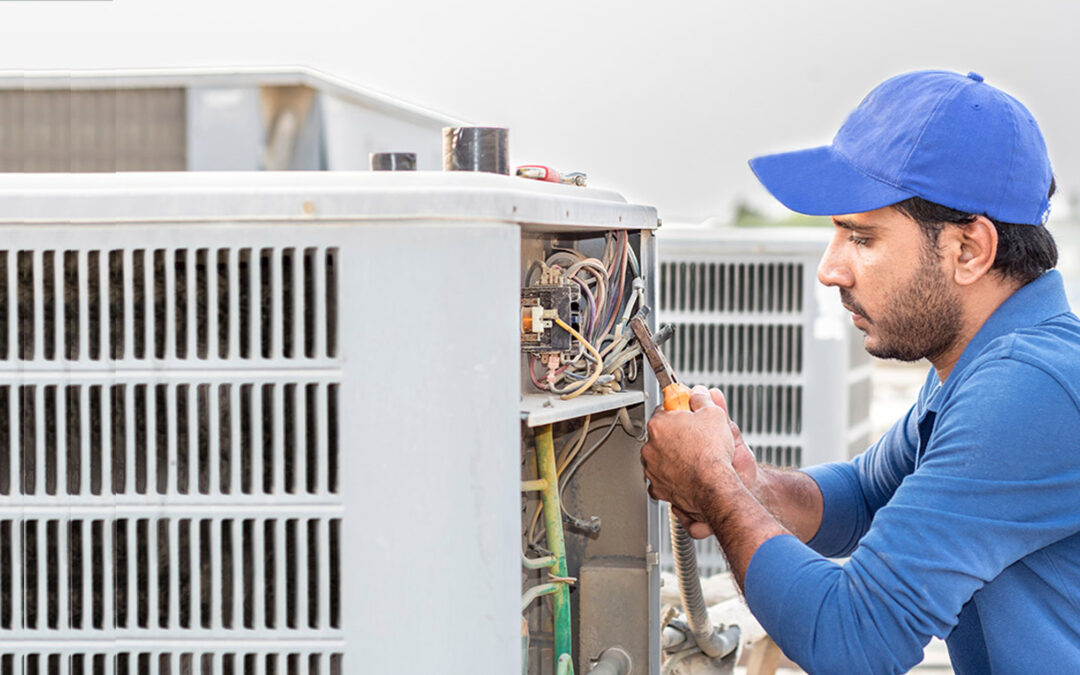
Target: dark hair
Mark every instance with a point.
(1024, 251)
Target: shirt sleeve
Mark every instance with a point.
(852, 492)
(998, 480)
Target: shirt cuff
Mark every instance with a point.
(841, 495)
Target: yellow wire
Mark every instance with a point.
(566, 459)
(596, 355)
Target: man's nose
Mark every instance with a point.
(833, 269)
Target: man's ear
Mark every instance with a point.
(975, 248)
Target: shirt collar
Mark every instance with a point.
(1030, 305)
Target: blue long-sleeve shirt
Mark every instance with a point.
(962, 522)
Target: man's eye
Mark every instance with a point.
(858, 241)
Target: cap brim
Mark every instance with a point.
(819, 182)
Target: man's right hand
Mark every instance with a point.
(743, 461)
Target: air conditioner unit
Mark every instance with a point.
(751, 319)
(280, 423)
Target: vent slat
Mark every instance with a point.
(303, 592)
(258, 599)
(12, 352)
(164, 299)
(190, 592)
(295, 296)
(216, 449)
(277, 414)
(128, 294)
(62, 593)
(37, 289)
(18, 575)
(280, 608)
(238, 559)
(175, 597)
(130, 424)
(152, 590)
(150, 449)
(169, 414)
(323, 533)
(38, 449)
(234, 304)
(272, 349)
(190, 286)
(212, 545)
(190, 481)
(213, 308)
(132, 569)
(300, 482)
(318, 309)
(257, 425)
(236, 442)
(82, 289)
(322, 437)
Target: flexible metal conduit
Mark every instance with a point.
(693, 600)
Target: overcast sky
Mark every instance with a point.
(662, 101)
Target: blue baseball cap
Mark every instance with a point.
(948, 138)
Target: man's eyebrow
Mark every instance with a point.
(846, 224)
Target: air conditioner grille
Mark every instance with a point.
(174, 663)
(169, 461)
(737, 348)
(735, 287)
(222, 438)
(182, 303)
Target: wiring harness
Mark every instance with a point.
(604, 358)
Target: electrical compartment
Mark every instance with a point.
(584, 408)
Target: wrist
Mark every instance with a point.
(716, 486)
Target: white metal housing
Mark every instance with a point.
(267, 423)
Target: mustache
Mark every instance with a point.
(850, 304)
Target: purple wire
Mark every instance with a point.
(592, 304)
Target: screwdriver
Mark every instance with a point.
(676, 394)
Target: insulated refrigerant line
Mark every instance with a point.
(549, 497)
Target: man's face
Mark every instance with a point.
(895, 287)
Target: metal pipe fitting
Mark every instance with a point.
(476, 149)
(613, 661)
(393, 161)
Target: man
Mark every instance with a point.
(962, 521)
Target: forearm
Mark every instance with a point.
(740, 522)
(792, 498)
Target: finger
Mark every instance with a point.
(719, 399)
(684, 520)
(656, 493)
(699, 530)
(735, 430)
(700, 398)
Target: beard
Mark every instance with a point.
(922, 319)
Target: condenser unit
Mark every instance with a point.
(751, 318)
(208, 119)
(282, 424)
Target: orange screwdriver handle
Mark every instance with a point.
(676, 397)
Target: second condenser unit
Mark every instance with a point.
(751, 318)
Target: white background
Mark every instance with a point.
(662, 101)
